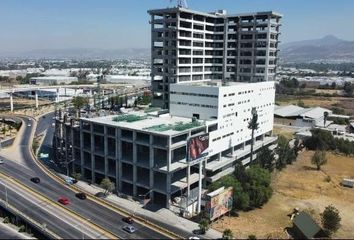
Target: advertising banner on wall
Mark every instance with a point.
(218, 202)
(197, 148)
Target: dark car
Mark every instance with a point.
(81, 195)
(36, 180)
(129, 220)
(100, 195)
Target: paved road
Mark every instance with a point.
(45, 123)
(42, 212)
(88, 209)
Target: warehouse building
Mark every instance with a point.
(52, 80)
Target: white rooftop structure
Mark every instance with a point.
(148, 122)
(287, 111)
(315, 113)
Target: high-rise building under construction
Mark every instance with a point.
(187, 45)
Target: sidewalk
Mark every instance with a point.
(163, 215)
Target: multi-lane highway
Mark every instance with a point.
(52, 189)
(36, 206)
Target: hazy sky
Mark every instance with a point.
(40, 24)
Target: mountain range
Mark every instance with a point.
(328, 49)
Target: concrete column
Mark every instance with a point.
(92, 154)
(11, 102)
(72, 149)
(169, 155)
(168, 190)
(200, 187)
(105, 147)
(57, 96)
(81, 150)
(119, 143)
(151, 166)
(135, 159)
(116, 159)
(188, 185)
(36, 98)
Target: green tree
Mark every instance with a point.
(253, 125)
(227, 234)
(240, 198)
(79, 102)
(348, 88)
(107, 185)
(283, 151)
(325, 117)
(252, 237)
(76, 175)
(204, 225)
(240, 172)
(265, 158)
(258, 185)
(319, 159)
(330, 219)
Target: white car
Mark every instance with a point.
(1, 161)
(129, 229)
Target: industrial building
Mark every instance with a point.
(52, 80)
(187, 45)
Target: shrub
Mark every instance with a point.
(330, 219)
(6, 220)
(328, 179)
(22, 228)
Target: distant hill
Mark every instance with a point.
(80, 53)
(329, 49)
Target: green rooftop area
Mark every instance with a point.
(128, 118)
(179, 126)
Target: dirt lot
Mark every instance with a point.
(286, 132)
(299, 185)
(325, 102)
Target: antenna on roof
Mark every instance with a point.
(181, 3)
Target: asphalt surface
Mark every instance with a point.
(36, 212)
(88, 209)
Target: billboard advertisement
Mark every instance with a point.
(198, 147)
(218, 202)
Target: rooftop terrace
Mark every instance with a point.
(164, 124)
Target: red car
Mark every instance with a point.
(64, 200)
